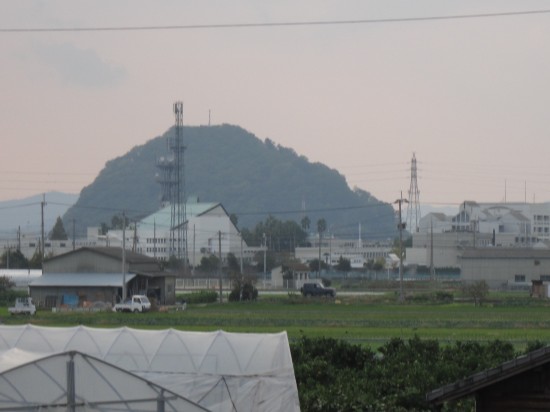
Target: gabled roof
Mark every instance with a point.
(162, 217)
(115, 280)
(113, 252)
(478, 381)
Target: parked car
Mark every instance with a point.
(317, 289)
(23, 306)
(137, 303)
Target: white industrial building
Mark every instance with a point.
(441, 239)
(208, 229)
(357, 251)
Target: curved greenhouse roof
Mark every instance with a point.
(219, 371)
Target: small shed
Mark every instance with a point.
(522, 384)
(95, 274)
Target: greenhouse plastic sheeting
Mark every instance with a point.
(218, 370)
(73, 381)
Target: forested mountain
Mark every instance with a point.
(251, 178)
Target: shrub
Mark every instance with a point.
(243, 291)
(202, 296)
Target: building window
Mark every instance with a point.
(519, 278)
(545, 278)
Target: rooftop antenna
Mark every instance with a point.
(413, 207)
(172, 181)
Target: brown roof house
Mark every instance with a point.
(94, 276)
(522, 384)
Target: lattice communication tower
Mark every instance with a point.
(172, 181)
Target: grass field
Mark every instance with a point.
(366, 320)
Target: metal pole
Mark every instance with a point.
(400, 227)
(265, 250)
(123, 256)
(71, 395)
(42, 204)
(220, 257)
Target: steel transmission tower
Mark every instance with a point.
(172, 181)
(413, 207)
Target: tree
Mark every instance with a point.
(321, 227)
(6, 284)
(343, 265)
(117, 222)
(233, 264)
(314, 265)
(210, 264)
(305, 222)
(477, 290)
(58, 231)
(280, 235)
(14, 259)
(234, 219)
(36, 260)
(243, 290)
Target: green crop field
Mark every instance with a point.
(366, 320)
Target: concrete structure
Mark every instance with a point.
(300, 273)
(441, 239)
(506, 267)
(29, 243)
(357, 251)
(89, 275)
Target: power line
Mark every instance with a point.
(275, 24)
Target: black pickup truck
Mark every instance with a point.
(317, 289)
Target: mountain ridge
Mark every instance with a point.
(250, 177)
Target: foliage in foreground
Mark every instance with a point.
(333, 375)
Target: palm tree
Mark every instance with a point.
(321, 227)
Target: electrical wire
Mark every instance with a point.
(274, 24)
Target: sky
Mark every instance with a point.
(467, 96)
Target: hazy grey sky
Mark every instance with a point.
(469, 96)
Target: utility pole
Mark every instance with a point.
(155, 239)
(401, 226)
(134, 242)
(220, 258)
(432, 269)
(123, 256)
(42, 204)
(265, 250)
(241, 254)
(194, 234)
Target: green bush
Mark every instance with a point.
(245, 293)
(202, 296)
(335, 375)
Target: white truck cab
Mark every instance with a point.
(137, 303)
(23, 306)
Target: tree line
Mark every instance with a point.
(334, 375)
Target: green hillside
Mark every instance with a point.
(251, 178)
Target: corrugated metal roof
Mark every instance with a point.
(113, 252)
(82, 279)
(162, 218)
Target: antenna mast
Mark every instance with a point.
(178, 197)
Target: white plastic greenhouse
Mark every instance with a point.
(90, 369)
